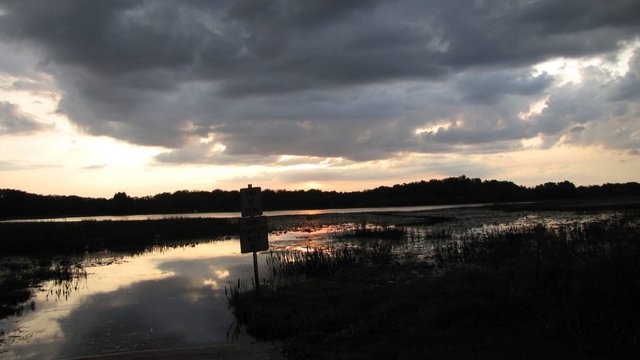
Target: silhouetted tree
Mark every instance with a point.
(122, 203)
(16, 203)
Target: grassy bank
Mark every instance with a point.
(33, 238)
(527, 292)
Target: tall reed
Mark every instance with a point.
(313, 262)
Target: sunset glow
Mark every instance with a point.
(370, 96)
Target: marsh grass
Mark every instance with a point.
(46, 238)
(314, 262)
(364, 231)
(286, 266)
(529, 292)
(572, 250)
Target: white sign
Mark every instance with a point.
(253, 234)
(250, 201)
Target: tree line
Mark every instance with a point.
(453, 190)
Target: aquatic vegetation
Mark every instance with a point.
(48, 238)
(577, 244)
(371, 231)
(20, 276)
(285, 266)
(531, 292)
(314, 262)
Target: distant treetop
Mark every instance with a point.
(453, 190)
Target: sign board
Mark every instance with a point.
(250, 201)
(253, 234)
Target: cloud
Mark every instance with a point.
(13, 121)
(396, 170)
(94, 167)
(18, 60)
(593, 112)
(329, 79)
(490, 87)
(12, 165)
(8, 166)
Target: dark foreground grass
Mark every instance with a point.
(525, 293)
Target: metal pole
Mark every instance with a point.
(255, 271)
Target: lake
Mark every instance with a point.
(166, 297)
(163, 298)
(234, 214)
(175, 297)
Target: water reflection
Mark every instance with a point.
(165, 298)
(235, 214)
(175, 297)
(147, 314)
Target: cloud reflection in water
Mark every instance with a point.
(168, 298)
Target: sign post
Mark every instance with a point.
(253, 227)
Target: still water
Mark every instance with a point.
(235, 214)
(170, 297)
(175, 297)
(164, 298)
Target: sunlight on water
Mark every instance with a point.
(235, 214)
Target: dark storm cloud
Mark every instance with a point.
(523, 32)
(13, 121)
(488, 88)
(580, 15)
(350, 79)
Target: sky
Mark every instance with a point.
(145, 97)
